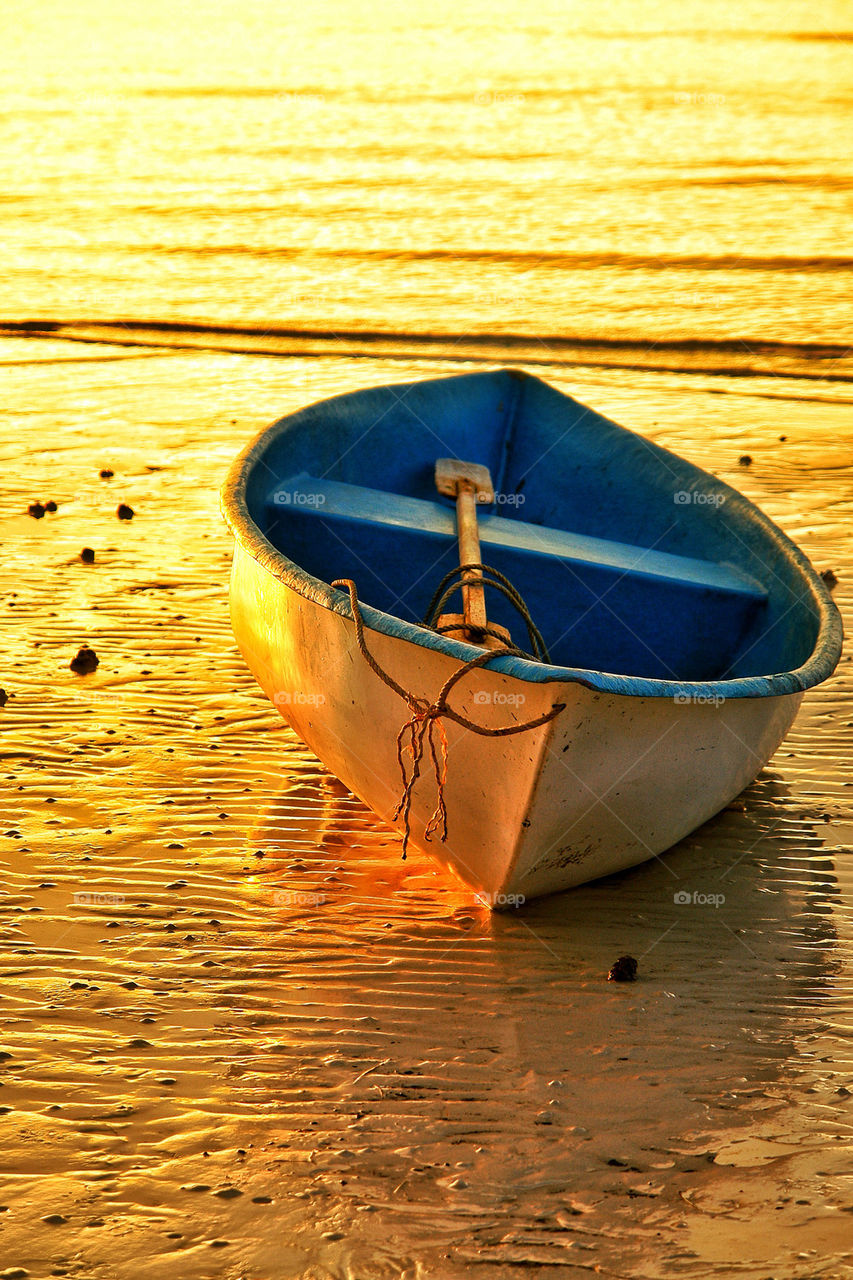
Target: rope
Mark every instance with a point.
(443, 592)
(426, 720)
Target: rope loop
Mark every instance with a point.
(490, 578)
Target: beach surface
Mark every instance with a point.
(239, 1037)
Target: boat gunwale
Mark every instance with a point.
(819, 665)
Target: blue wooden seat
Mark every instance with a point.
(599, 603)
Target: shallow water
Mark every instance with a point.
(322, 1061)
(605, 170)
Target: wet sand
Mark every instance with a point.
(240, 1038)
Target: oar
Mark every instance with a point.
(470, 484)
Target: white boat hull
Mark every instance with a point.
(610, 782)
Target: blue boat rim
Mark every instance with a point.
(818, 666)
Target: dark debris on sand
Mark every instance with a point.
(85, 662)
(623, 970)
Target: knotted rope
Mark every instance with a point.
(419, 731)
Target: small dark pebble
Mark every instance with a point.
(745, 460)
(139, 1044)
(14, 1273)
(124, 512)
(87, 555)
(623, 970)
(228, 1193)
(36, 510)
(106, 474)
(618, 1164)
(4, 697)
(261, 1199)
(55, 1219)
(85, 662)
(219, 1244)
(50, 506)
(167, 1080)
(829, 578)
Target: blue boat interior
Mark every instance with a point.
(631, 560)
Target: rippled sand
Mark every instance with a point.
(241, 1038)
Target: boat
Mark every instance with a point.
(679, 626)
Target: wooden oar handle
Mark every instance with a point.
(473, 595)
